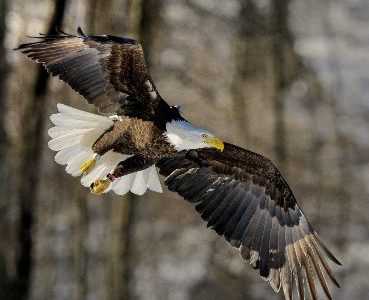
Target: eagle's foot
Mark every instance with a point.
(88, 165)
(99, 186)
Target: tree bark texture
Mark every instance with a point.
(30, 164)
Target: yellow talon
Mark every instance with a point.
(88, 165)
(99, 186)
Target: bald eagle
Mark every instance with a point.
(240, 194)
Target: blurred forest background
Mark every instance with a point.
(285, 78)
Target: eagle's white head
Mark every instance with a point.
(185, 136)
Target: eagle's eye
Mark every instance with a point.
(204, 135)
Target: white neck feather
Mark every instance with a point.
(185, 136)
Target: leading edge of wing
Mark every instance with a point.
(80, 34)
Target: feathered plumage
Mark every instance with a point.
(73, 135)
(243, 196)
(240, 194)
(108, 71)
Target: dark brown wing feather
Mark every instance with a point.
(110, 72)
(244, 197)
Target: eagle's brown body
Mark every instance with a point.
(141, 139)
(134, 136)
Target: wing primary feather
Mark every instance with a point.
(256, 240)
(202, 200)
(326, 251)
(313, 241)
(192, 186)
(274, 277)
(310, 250)
(192, 190)
(221, 204)
(239, 232)
(216, 201)
(251, 232)
(252, 227)
(310, 253)
(80, 32)
(75, 60)
(234, 203)
(300, 258)
(293, 264)
(207, 200)
(296, 254)
(190, 176)
(174, 181)
(89, 70)
(175, 174)
(325, 264)
(168, 166)
(236, 219)
(281, 255)
(287, 282)
(310, 277)
(264, 248)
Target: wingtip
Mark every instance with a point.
(60, 32)
(24, 45)
(332, 257)
(43, 37)
(80, 32)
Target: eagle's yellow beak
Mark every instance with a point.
(215, 142)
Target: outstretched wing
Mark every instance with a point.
(243, 197)
(110, 72)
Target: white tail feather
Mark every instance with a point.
(63, 157)
(73, 136)
(57, 132)
(123, 184)
(153, 182)
(139, 184)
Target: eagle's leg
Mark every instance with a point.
(99, 150)
(103, 144)
(89, 164)
(130, 165)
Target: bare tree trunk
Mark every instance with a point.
(240, 61)
(5, 283)
(150, 17)
(81, 257)
(33, 120)
(251, 29)
(134, 16)
(3, 78)
(344, 161)
(91, 16)
(281, 37)
(127, 231)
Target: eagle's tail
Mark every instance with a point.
(73, 135)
